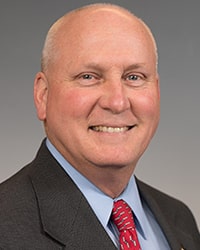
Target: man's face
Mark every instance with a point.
(102, 99)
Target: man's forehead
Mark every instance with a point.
(98, 23)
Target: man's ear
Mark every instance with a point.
(41, 95)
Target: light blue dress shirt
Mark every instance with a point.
(149, 232)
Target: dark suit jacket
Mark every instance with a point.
(41, 208)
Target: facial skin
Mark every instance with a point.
(99, 96)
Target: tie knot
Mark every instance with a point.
(122, 216)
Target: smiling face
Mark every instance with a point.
(100, 98)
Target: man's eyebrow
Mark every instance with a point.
(98, 66)
(95, 66)
(135, 66)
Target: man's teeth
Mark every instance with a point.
(110, 129)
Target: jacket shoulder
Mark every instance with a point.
(177, 214)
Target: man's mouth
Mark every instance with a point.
(109, 129)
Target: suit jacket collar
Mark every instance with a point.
(64, 211)
(177, 239)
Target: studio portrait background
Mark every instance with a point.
(171, 163)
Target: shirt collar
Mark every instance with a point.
(132, 198)
(99, 201)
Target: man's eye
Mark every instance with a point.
(87, 77)
(133, 77)
(135, 80)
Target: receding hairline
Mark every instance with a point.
(50, 42)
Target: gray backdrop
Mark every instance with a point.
(172, 161)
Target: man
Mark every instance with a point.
(98, 96)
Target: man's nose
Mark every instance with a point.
(115, 97)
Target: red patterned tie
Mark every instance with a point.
(123, 218)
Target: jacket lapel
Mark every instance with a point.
(65, 214)
(177, 239)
